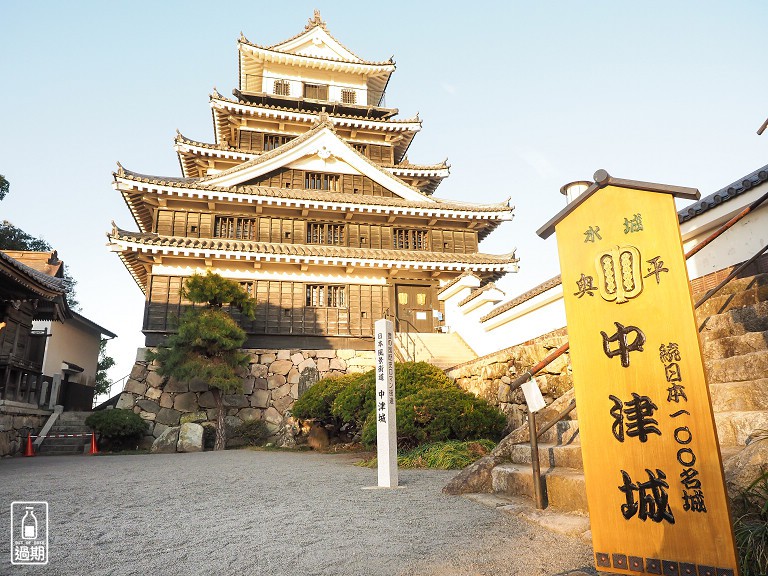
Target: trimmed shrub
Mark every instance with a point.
(118, 429)
(316, 402)
(439, 414)
(253, 432)
(357, 400)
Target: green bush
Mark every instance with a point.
(253, 432)
(357, 400)
(118, 429)
(439, 414)
(751, 528)
(450, 455)
(316, 402)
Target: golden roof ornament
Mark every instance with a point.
(315, 21)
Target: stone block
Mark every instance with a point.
(275, 381)
(326, 354)
(308, 363)
(260, 384)
(148, 416)
(297, 358)
(148, 406)
(213, 414)
(355, 369)
(232, 423)
(293, 376)
(197, 417)
(281, 367)
(166, 400)
(6, 422)
(283, 404)
(267, 359)
(249, 414)
(168, 416)
(283, 355)
(295, 391)
(284, 390)
(155, 380)
(248, 385)
(166, 441)
(186, 402)
(146, 442)
(138, 372)
(198, 385)
(125, 401)
(153, 393)
(259, 370)
(235, 401)
(260, 399)
(206, 400)
(135, 387)
(337, 364)
(272, 415)
(174, 385)
(190, 438)
(323, 364)
(345, 354)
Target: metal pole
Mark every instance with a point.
(537, 495)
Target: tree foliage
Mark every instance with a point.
(102, 366)
(207, 344)
(5, 187)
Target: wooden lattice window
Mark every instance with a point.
(272, 141)
(348, 96)
(404, 239)
(362, 148)
(316, 91)
(234, 227)
(326, 296)
(322, 181)
(282, 88)
(249, 140)
(318, 233)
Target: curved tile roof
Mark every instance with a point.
(524, 297)
(724, 194)
(310, 250)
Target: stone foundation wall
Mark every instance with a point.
(489, 376)
(272, 382)
(16, 423)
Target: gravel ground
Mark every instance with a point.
(256, 512)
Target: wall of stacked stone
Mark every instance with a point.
(273, 381)
(15, 426)
(490, 376)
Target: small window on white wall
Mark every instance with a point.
(282, 88)
(348, 96)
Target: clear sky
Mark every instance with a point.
(520, 96)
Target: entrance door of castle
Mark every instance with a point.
(414, 308)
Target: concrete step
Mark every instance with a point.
(73, 416)
(752, 366)
(550, 455)
(563, 488)
(736, 345)
(740, 396)
(723, 302)
(566, 523)
(564, 432)
(734, 427)
(752, 318)
(56, 446)
(737, 285)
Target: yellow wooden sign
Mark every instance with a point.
(652, 464)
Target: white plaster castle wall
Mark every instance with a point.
(737, 244)
(71, 342)
(336, 81)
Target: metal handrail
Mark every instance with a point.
(410, 356)
(534, 435)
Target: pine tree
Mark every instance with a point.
(208, 342)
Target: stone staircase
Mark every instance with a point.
(67, 423)
(443, 350)
(734, 333)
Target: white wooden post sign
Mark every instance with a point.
(386, 419)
